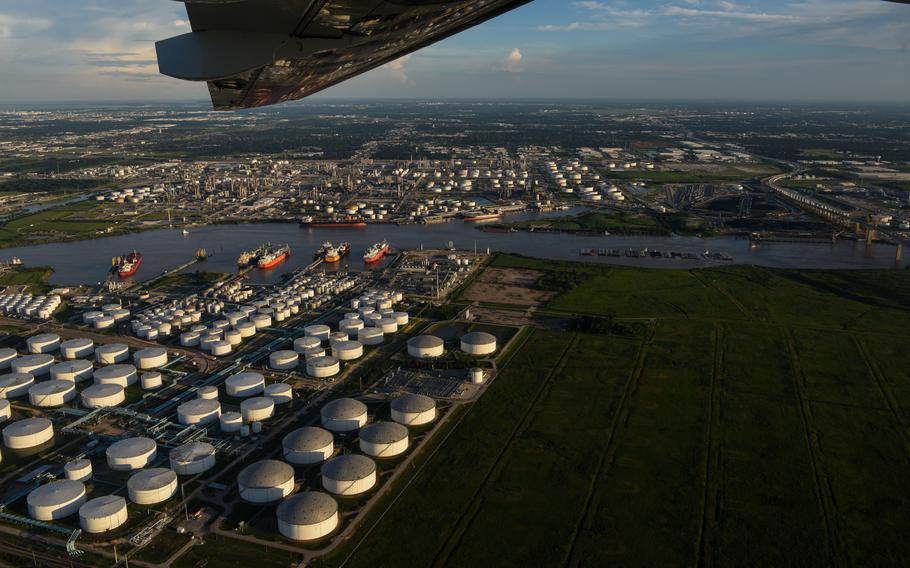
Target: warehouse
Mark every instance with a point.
(383, 439)
(343, 415)
(78, 470)
(75, 371)
(151, 486)
(103, 514)
(244, 384)
(112, 353)
(50, 394)
(150, 358)
(200, 411)
(131, 453)
(308, 445)
(323, 367)
(192, 458)
(350, 474)
(103, 396)
(35, 365)
(257, 409)
(77, 348)
(119, 374)
(307, 516)
(425, 347)
(15, 385)
(56, 500)
(413, 409)
(478, 343)
(28, 433)
(266, 481)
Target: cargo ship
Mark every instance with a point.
(376, 251)
(341, 223)
(249, 257)
(274, 256)
(128, 265)
(330, 253)
(484, 215)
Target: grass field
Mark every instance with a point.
(55, 223)
(760, 417)
(34, 278)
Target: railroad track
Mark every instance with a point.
(40, 557)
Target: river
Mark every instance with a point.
(86, 262)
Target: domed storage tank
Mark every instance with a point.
(425, 347)
(74, 371)
(7, 355)
(413, 409)
(244, 384)
(78, 470)
(150, 358)
(50, 394)
(257, 408)
(318, 330)
(337, 336)
(233, 337)
(131, 453)
(199, 411)
(401, 318)
(383, 439)
(284, 360)
(266, 481)
(151, 486)
(260, 321)
(388, 325)
(112, 353)
(103, 514)
(478, 343)
(307, 516)
(247, 329)
(190, 338)
(192, 458)
(56, 500)
(281, 393)
(323, 367)
(343, 415)
(313, 353)
(350, 474)
(301, 344)
(370, 336)
(208, 392)
(28, 433)
(121, 374)
(231, 422)
(351, 326)
(15, 385)
(308, 445)
(36, 365)
(43, 343)
(347, 350)
(151, 381)
(77, 348)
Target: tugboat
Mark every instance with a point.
(376, 252)
(274, 257)
(127, 266)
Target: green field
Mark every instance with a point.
(74, 220)
(760, 417)
(34, 278)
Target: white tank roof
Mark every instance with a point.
(192, 452)
(343, 409)
(350, 467)
(412, 403)
(383, 433)
(131, 447)
(265, 473)
(199, 406)
(307, 508)
(478, 338)
(13, 380)
(151, 479)
(57, 492)
(102, 507)
(308, 438)
(425, 341)
(27, 427)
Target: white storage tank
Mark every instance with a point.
(478, 343)
(151, 380)
(350, 474)
(257, 408)
(75, 371)
(401, 318)
(323, 367)
(476, 375)
(302, 344)
(318, 330)
(103, 514)
(260, 321)
(347, 350)
(43, 343)
(220, 348)
(192, 458)
(56, 500)
(351, 326)
(283, 360)
(14, 385)
(265, 481)
(244, 384)
(78, 470)
(233, 337)
(231, 422)
(77, 348)
(425, 347)
(343, 415)
(28, 433)
(7, 355)
(151, 486)
(50, 394)
(314, 352)
(413, 409)
(199, 411)
(209, 392)
(104, 322)
(131, 453)
(112, 353)
(6, 410)
(150, 358)
(281, 393)
(307, 516)
(36, 365)
(308, 445)
(383, 439)
(190, 338)
(370, 336)
(246, 329)
(388, 325)
(120, 374)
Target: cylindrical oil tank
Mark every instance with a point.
(307, 516)
(104, 322)
(233, 337)
(383, 439)
(151, 380)
(314, 352)
(283, 360)
(281, 393)
(199, 411)
(388, 325)
(413, 409)
(208, 392)
(347, 350)
(28, 433)
(308, 445)
(425, 347)
(103, 514)
(151, 486)
(318, 330)
(350, 474)
(6, 410)
(120, 374)
(7, 354)
(51, 393)
(231, 422)
(261, 321)
(131, 453)
(43, 343)
(78, 470)
(476, 375)
(343, 415)
(266, 481)
(323, 367)
(78, 348)
(14, 385)
(370, 336)
(478, 343)
(220, 348)
(56, 500)
(244, 384)
(247, 329)
(301, 344)
(75, 371)
(192, 458)
(337, 336)
(351, 326)
(401, 317)
(37, 365)
(190, 338)
(257, 409)
(112, 353)
(150, 358)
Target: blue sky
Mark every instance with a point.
(821, 50)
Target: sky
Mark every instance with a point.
(713, 50)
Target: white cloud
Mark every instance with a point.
(18, 26)
(396, 70)
(732, 14)
(514, 61)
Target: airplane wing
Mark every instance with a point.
(259, 52)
